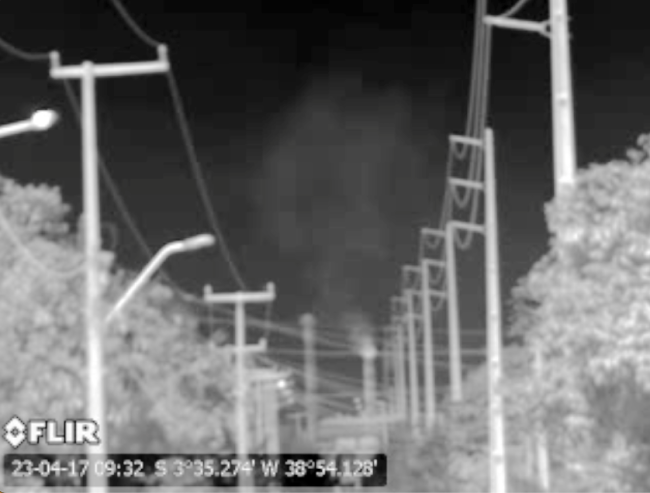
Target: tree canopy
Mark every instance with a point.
(167, 389)
(585, 306)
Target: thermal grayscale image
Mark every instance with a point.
(343, 246)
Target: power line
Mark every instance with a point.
(515, 9)
(108, 178)
(32, 258)
(474, 126)
(120, 203)
(199, 176)
(188, 142)
(133, 25)
(31, 56)
(123, 210)
(296, 332)
(342, 353)
(322, 374)
(268, 326)
(484, 34)
(28, 56)
(332, 381)
(187, 138)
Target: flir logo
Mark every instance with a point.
(73, 432)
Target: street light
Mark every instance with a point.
(368, 352)
(95, 364)
(40, 121)
(182, 246)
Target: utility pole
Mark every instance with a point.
(453, 317)
(529, 456)
(541, 438)
(267, 381)
(557, 29)
(87, 73)
(498, 473)
(385, 364)
(240, 300)
(564, 153)
(398, 321)
(298, 428)
(272, 419)
(368, 354)
(453, 312)
(429, 352)
(308, 324)
(400, 350)
(414, 383)
(563, 118)
(393, 389)
(260, 422)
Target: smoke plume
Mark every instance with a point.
(359, 328)
(329, 185)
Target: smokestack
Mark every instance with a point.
(308, 324)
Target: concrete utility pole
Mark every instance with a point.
(240, 300)
(414, 381)
(298, 419)
(272, 418)
(260, 422)
(369, 354)
(398, 321)
(308, 324)
(557, 29)
(541, 438)
(453, 312)
(564, 152)
(87, 73)
(498, 473)
(385, 365)
(429, 353)
(453, 317)
(563, 119)
(267, 382)
(400, 349)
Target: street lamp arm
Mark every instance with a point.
(39, 121)
(147, 273)
(11, 129)
(197, 242)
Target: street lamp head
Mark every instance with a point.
(44, 119)
(198, 242)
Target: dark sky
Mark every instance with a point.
(322, 133)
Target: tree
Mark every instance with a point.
(455, 456)
(167, 389)
(586, 305)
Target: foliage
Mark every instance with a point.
(166, 388)
(418, 465)
(454, 456)
(585, 307)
